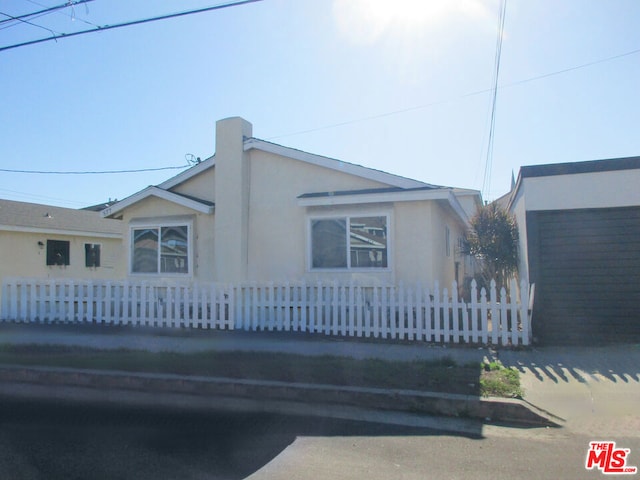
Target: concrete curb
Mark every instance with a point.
(166, 389)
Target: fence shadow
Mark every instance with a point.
(616, 364)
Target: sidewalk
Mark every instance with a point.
(596, 390)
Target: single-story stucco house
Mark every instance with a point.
(258, 211)
(44, 242)
(580, 245)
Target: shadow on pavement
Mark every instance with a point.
(62, 441)
(617, 364)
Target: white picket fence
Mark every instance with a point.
(388, 312)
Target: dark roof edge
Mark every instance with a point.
(592, 166)
(195, 199)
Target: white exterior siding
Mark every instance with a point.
(582, 190)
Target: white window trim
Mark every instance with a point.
(348, 215)
(136, 225)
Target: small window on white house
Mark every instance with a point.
(57, 252)
(162, 249)
(349, 243)
(92, 255)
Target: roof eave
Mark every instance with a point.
(153, 191)
(59, 231)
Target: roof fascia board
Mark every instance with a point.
(409, 196)
(331, 163)
(54, 231)
(189, 173)
(160, 193)
(574, 168)
(457, 208)
(515, 192)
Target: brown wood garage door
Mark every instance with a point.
(586, 266)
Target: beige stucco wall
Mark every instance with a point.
(414, 243)
(444, 264)
(278, 225)
(469, 201)
(21, 256)
(154, 210)
(201, 186)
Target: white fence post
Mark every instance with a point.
(495, 313)
(524, 312)
(455, 315)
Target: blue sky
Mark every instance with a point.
(401, 86)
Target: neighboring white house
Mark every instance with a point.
(580, 244)
(42, 241)
(258, 211)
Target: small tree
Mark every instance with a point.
(493, 240)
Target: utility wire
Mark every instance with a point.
(130, 23)
(486, 183)
(97, 172)
(71, 16)
(470, 94)
(11, 18)
(45, 11)
(42, 197)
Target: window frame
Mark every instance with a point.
(159, 225)
(447, 241)
(348, 215)
(93, 244)
(67, 260)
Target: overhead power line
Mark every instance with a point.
(96, 172)
(470, 94)
(130, 23)
(71, 15)
(45, 11)
(486, 183)
(27, 22)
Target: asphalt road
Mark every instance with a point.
(60, 441)
(55, 441)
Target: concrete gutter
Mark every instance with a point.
(179, 391)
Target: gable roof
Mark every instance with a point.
(312, 158)
(33, 217)
(397, 184)
(199, 205)
(333, 164)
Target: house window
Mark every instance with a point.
(161, 249)
(57, 252)
(92, 254)
(447, 240)
(349, 242)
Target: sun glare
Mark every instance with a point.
(365, 21)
